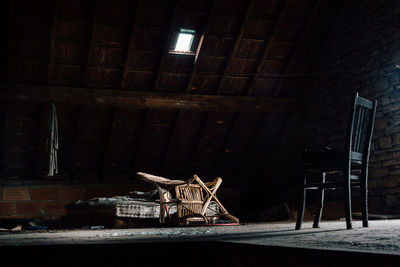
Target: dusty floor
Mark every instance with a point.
(382, 237)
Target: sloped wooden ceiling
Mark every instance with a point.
(125, 103)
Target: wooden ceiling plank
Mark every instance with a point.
(268, 46)
(236, 46)
(146, 100)
(166, 45)
(199, 50)
(129, 53)
(298, 44)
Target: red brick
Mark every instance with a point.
(70, 193)
(44, 193)
(15, 193)
(55, 207)
(7, 208)
(29, 208)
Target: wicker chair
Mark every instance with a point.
(193, 199)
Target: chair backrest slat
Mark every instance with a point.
(360, 128)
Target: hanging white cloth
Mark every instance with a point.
(52, 141)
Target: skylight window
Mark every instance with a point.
(184, 42)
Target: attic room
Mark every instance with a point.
(104, 102)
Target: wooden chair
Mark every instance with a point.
(351, 164)
(194, 199)
(161, 183)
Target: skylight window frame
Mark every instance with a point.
(190, 51)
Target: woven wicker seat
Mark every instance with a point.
(194, 199)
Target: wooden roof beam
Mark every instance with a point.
(298, 43)
(11, 40)
(79, 112)
(236, 46)
(278, 21)
(143, 100)
(129, 53)
(52, 46)
(44, 110)
(177, 122)
(166, 45)
(199, 50)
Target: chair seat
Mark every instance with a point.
(354, 181)
(328, 160)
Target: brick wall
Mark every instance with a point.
(361, 55)
(48, 202)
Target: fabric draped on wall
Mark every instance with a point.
(52, 141)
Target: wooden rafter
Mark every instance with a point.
(52, 46)
(199, 50)
(157, 80)
(113, 120)
(170, 142)
(267, 49)
(11, 41)
(226, 71)
(278, 21)
(78, 125)
(188, 87)
(91, 45)
(6, 144)
(129, 53)
(167, 43)
(144, 100)
(236, 46)
(276, 93)
(112, 127)
(298, 43)
(220, 149)
(44, 110)
(6, 140)
(193, 155)
(80, 110)
(136, 154)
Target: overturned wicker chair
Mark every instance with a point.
(193, 199)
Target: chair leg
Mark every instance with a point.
(364, 200)
(347, 201)
(320, 204)
(301, 207)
